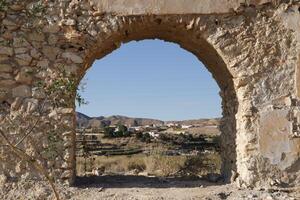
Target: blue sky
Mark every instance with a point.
(152, 79)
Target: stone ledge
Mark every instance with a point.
(138, 7)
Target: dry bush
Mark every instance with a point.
(137, 164)
(160, 165)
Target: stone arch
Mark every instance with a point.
(256, 50)
(191, 39)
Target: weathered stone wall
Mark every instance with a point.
(251, 49)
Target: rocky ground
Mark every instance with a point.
(141, 188)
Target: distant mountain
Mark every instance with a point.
(98, 122)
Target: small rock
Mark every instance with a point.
(52, 39)
(20, 42)
(223, 195)
(53, 114)
(10, 25)
(73, 57)
(6, 50)
(17, 103)
(50, 52)
(35, 54)
(251, 196)
(5, 67)
(43, 63)
(17, 7)
(7, 35)
(22, 91)
(24, 76)
(23, 59)
(31, 105)
(36, 36)
(7, 83)
(5, 76)
(4, 92)
(269, 198)
(190, 25)
(52, 28)
(3, 57)
(66, 111)
(21, 50)
(70, 22)
(8, 22)
(3, 180)
(67, 174)
(70, 69)
(38, 93)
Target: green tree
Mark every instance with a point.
(122, 128)
(109, 131)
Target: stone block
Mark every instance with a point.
(23, 59)
(24, 76)
(22, 91)
(6, 68)
(6, 51)
(73, 57)
(51, 52)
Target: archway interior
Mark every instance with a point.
(173, 89)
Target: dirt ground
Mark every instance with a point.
(141, 188)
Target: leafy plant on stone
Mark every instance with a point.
(65, 87)
(35, 12)
(36, 9)
(50, 152)
(3, 5)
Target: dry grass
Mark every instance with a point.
(156, 164)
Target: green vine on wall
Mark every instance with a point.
(36, 9)
(3, 5)
(50, 152)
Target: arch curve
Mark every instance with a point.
(190, 39)
(140, 28)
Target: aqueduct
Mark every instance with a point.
(250, 47)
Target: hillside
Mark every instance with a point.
(96, 122)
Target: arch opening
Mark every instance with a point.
(197, 44)
(156, 112)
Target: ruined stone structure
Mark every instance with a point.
(251, 47)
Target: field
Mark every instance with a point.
(168, 155)
(150, 165)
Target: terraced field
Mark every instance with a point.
(172, 156)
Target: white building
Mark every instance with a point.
(135, 128)
(186, 126)
(154, 134)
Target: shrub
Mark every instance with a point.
(109, 132)
(136, 165)
(138, 135)
(146, 138)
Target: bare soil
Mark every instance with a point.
(141, 188)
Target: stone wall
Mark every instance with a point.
(251, 49)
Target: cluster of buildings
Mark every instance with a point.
(153, 130)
